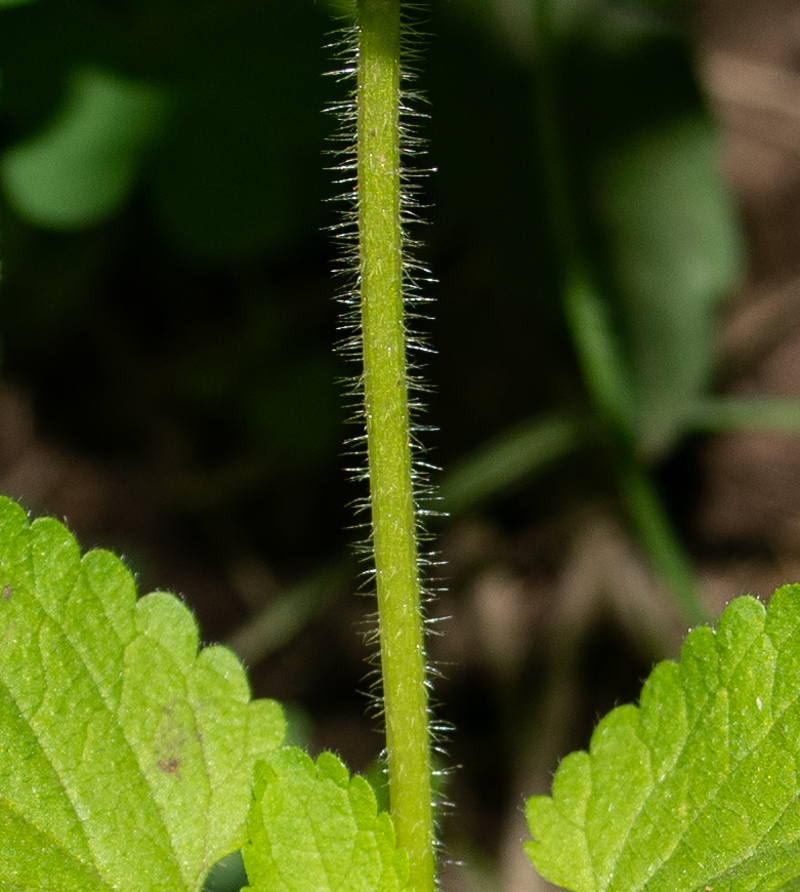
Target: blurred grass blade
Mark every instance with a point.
(287, 614)
(660, 543)
(781, 415)
(610, 365)
(510, 458)
(601, 356)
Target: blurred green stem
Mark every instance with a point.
(608, 379)
(385, 381)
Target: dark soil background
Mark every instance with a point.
(169, 385)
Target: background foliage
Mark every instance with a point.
(169, 383)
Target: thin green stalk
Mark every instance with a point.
(385, 381)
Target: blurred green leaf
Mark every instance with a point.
(79, 170)
(676, 250)
(610, 27)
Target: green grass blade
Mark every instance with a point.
(513, 456)
(660, 542)
(722, 414)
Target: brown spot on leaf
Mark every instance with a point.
(170, 766)
(7, 592)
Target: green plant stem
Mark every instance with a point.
(389, 435)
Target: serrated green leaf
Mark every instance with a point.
(125, 756)
(697, 787)
(78, 170)
(313, 828)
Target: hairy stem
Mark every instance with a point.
(384, 347)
